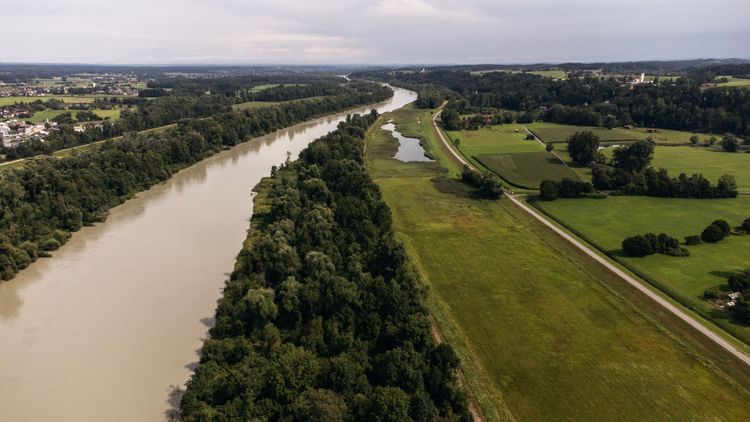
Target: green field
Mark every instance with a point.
(556, 133)
(734, 82)
(65, 98)
(712, 163)
(606, 222)
(527, 169)
(258, 88)
(495, 139)
(41, 116)
(504, 150)
(254, 104)
(542, 332)
(554, 73)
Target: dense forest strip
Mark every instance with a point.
(585, 101)
(44, 201)
(323, 318)
(177, 99)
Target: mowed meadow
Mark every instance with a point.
(606, 222)
(543, 333)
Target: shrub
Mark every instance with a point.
(20, 258)
(739, 281)
(49, 244)
(746, 225)
(487, 185)
(549, 190)
(712, 294)
(712, 234)
(724, 226)
(637, 246)
(692, 240)
(642, 245)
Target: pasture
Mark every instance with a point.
(606, 222)
(734, 82)
(527, 169)
(711, 163)
(497, 139)
(551, 73)
(41, 116)
(253, 104)
(557, 133)
(542, 332)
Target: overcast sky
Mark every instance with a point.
(370, 31)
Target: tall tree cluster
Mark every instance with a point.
(323, 318)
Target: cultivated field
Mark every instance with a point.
(606, 222)
(504, 150)
(527, 169)
(542, 332)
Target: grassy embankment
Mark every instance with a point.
(606, 222)
(504, 150)
(543, 333)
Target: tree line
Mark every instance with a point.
(629, 173)
(184, 102)
(588, 100)
(285, 92)
(323, 318)
(46, 199)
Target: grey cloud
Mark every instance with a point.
(376, 31)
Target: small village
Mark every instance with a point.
(15, 132)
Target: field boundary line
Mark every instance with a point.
(617, 271)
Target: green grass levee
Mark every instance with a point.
(543, 332)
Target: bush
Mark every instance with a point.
(730, 143)
(31, 249)
(549, 190)
(637, 246)
(49, 244)
(712, 234)
(692, 240)
(746, 225)
(739, 281)
(726, 229)
(20, 258)
(648, 244)
(487, 185)
(712, 294)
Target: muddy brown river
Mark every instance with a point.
(104, 328)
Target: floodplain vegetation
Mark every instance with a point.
(323, 318)
(46, 199)
(542, 332)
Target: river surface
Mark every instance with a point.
(104, 328)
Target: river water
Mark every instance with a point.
(100, 331)
(409, 149)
